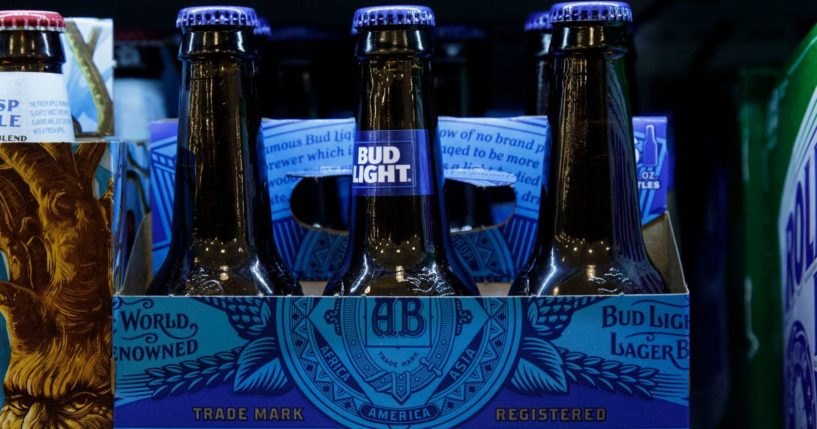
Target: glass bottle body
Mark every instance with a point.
(399, 240)
(222, 242)
(589, 240)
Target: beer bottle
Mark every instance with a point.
(462, 81)
(589, 240)
(538, 34)
(264, 66)
(34, 104)
(399, 240)
(297, 72)
(140, 99)
(462, 66)
(222, 240)
(261, 31)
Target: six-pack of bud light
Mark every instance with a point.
(391, 270)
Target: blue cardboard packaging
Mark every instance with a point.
(474, 150)
(385, 362)
(616, 362)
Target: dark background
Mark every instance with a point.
(676, 39)
(689, 56)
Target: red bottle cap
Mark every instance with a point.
(31, 20)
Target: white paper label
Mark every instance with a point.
(34, 108)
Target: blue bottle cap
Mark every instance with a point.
(538, 21)
(390, 16)
(262, 28)
(199, 16)
(591, 11)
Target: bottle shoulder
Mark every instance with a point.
(553, 274)
(251, 276)
(363, 276)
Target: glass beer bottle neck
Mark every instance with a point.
(31, 51)
(538, 44)
(402, 82)
(395, 81)
(217, 146)
(589, 38)
(30, 79)
(538, 72)
(594, 197)
(399, 242)
(396, 95)
(222, 241)
(589, 240)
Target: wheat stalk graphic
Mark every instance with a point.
(544, 368)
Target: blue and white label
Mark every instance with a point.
(34, 108)
(652, 156)
(797, 235)
(391, 163)
(796, 225)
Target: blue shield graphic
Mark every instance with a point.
(392, 362)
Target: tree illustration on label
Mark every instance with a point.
(56, 237)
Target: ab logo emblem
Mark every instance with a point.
(396, 321)
(799, 375)
(388, 362)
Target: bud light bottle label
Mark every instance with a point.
(391, 163)
(34, 108)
